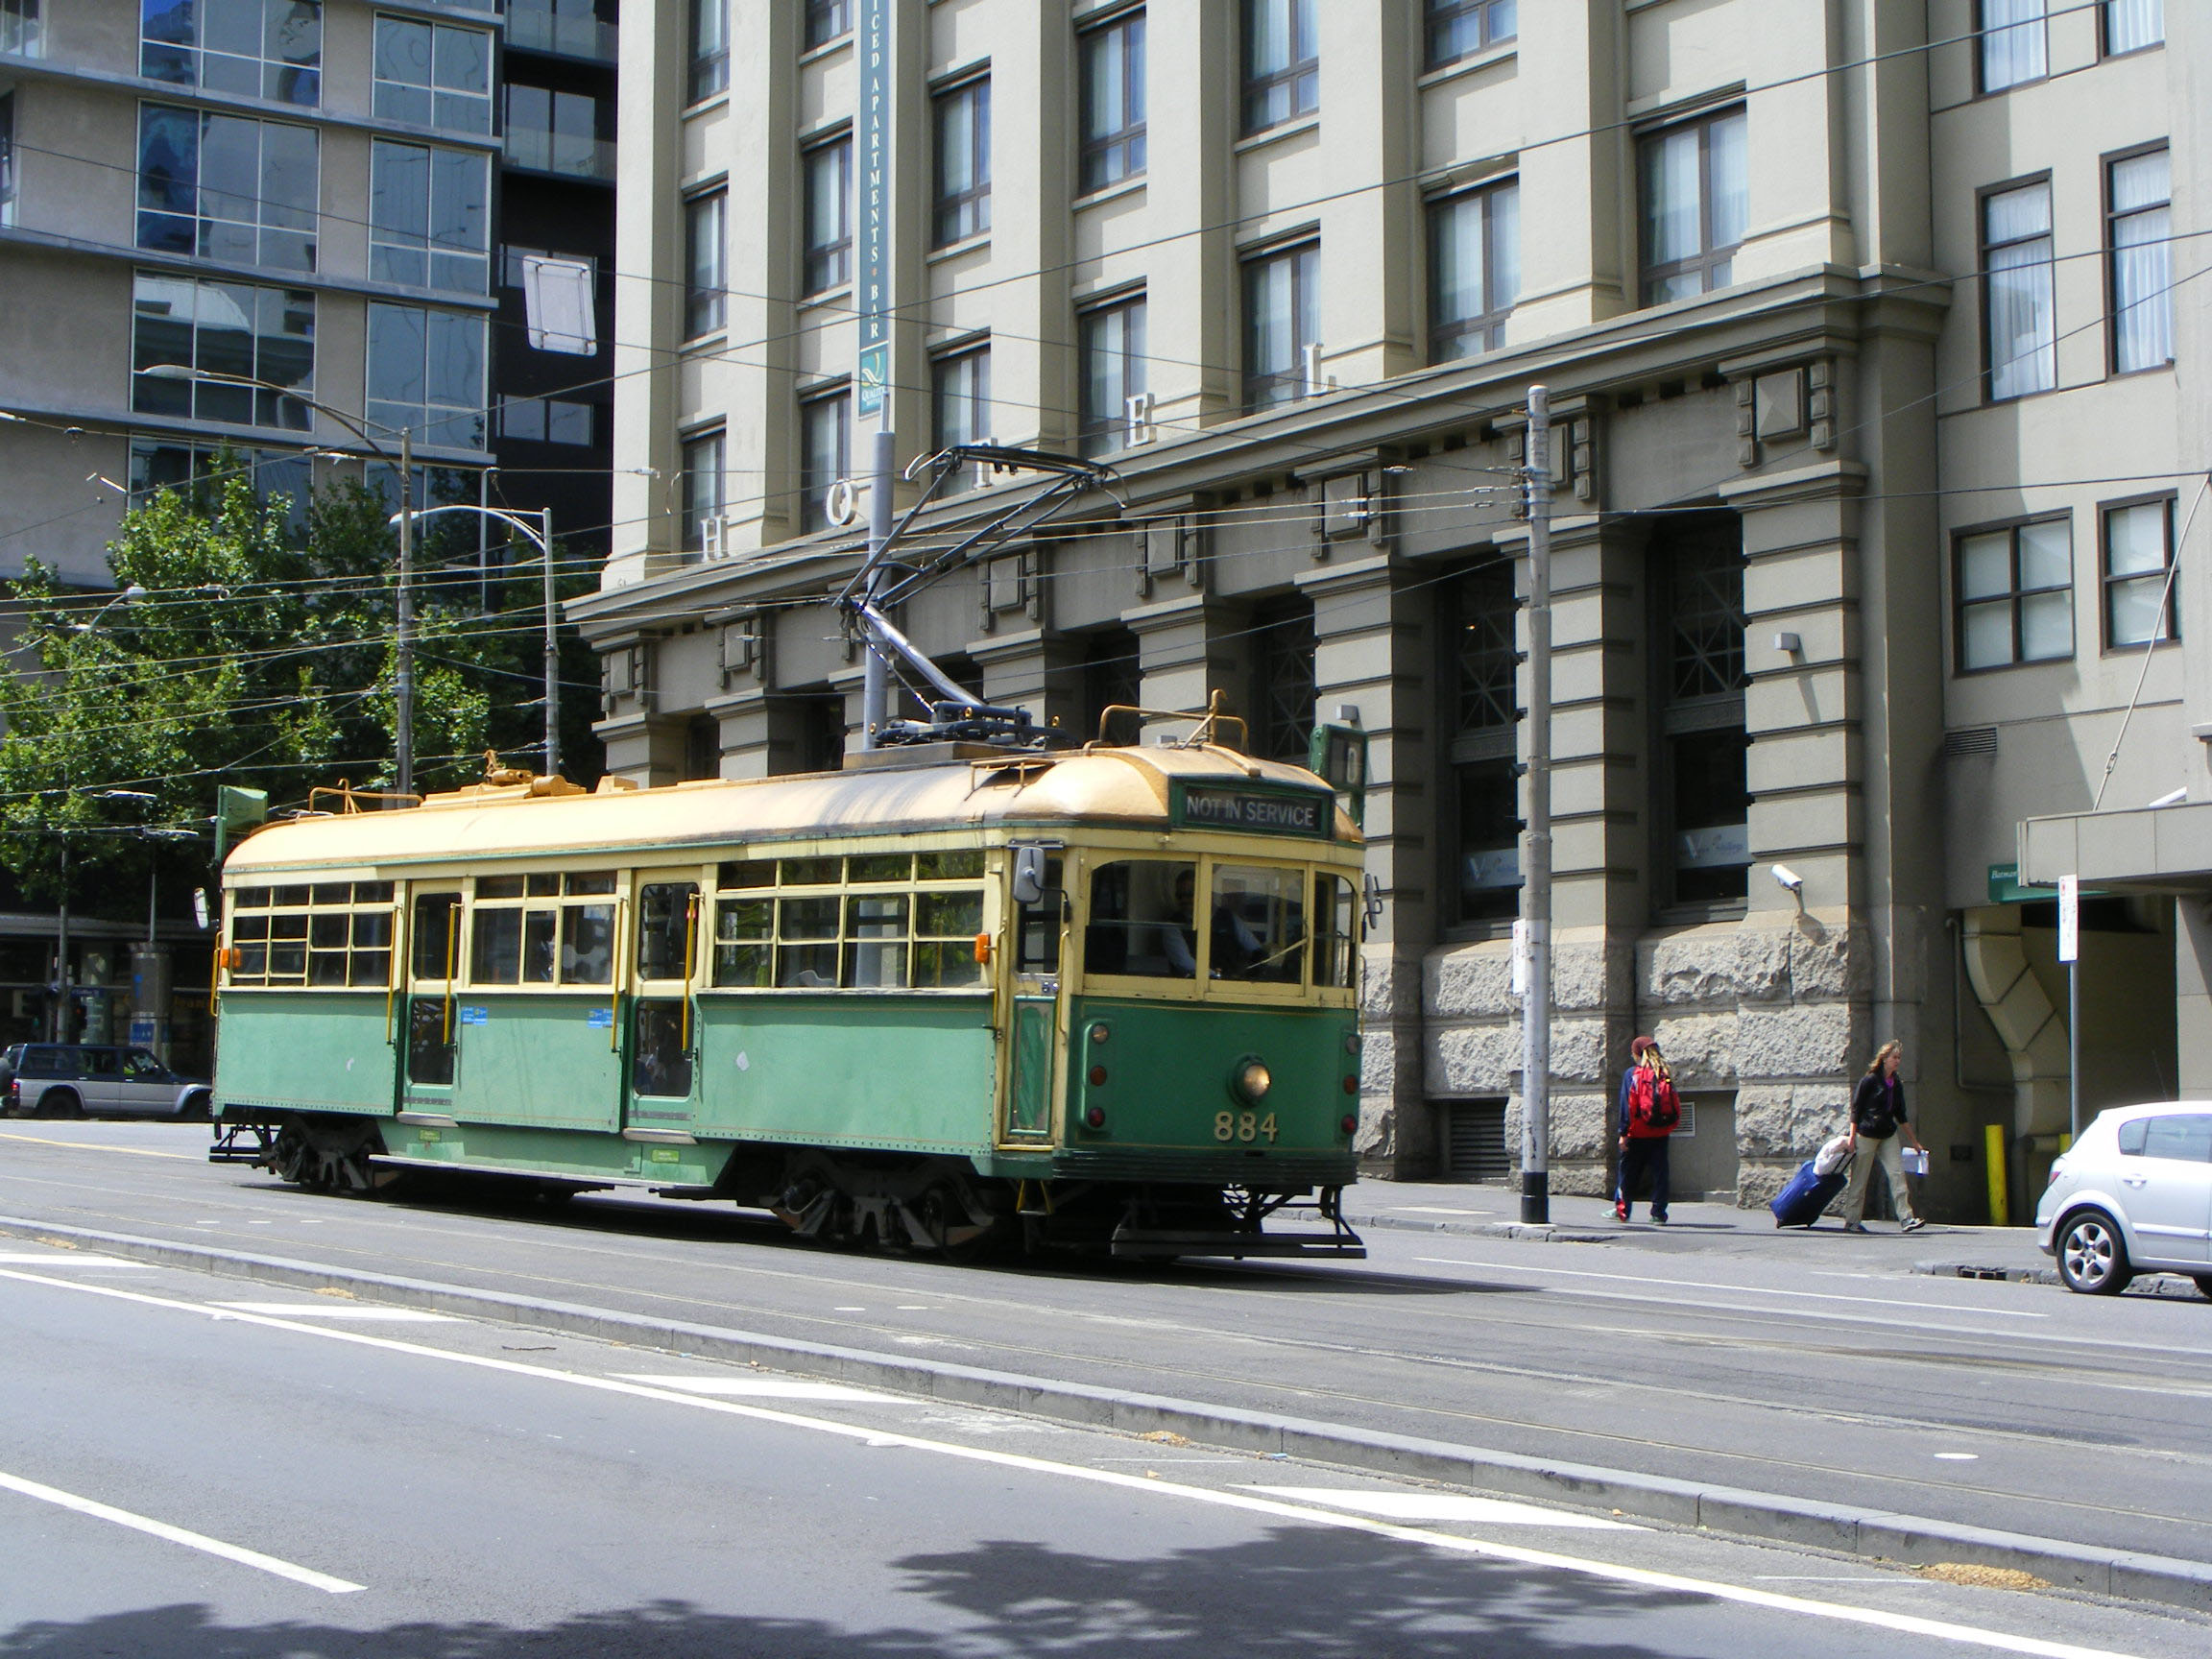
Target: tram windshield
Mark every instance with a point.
(1145, 922)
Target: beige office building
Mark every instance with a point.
(1871, 454)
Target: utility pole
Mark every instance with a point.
(872, 293)
(875, 680)
(552, 652)
(1536, 855)
(404, 632)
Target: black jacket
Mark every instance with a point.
(1877, 1107)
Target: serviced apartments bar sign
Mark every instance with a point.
(875, 362)
(1211, 807)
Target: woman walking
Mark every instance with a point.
(1877, 1120)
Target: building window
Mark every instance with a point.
(1282, 318)
(1113, 347)
(2020, 329)
(227, 328)
(963, 119)
(1282, 62)
(826, 20)
(1112, 100)
(1461, 28)
(1697, 205)
(547, 420)
(2133, 25)
(1113, 678)
(2139, 196)
(1486, 840)
(7, 156)
(1704, 792)
(429, 217)
(432, 75)
(427, 373)
(2015, 588)
(158, 464)
(2014, 44)
(19, 32)
(255, 48)
(710, 70)
(702, 488)
(828, 170)
(1282, 689)
(226, 187)
(1473, 270)
(551, 131)
(960, 403)
(826, 444)
(705, 297)
(2139, 601)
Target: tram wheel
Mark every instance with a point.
(945, 1223)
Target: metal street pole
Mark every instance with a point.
(403, 641)
(61, 1011)
(552, 651)
(1536, 858)
(875, 680)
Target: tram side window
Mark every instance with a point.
(945, 930)
(1140, 920)
(437, 920)
(1336, 959)
(1037, 926)
(807, 942)
(664, 913)
(588, 944)
(1259, 926)
(744, 943)
(876, 938)
(321, 935)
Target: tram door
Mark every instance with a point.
(431, 1028)
(1033, 1016)
(661, 1090)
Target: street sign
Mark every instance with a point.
(1519, 959)
(874, 44)
(2069, 918)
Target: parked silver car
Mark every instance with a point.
(70, 1079)
(2132, 1196)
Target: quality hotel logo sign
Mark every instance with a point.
(1210, 808)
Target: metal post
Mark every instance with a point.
(404, 632)
(1536, 858)
(552, 652)
(2074, 1046)
(875, 680)
(63, 1011)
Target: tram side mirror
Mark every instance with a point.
(1029, 875)
(1338, 756)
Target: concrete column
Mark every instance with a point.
(1184, 656)
(1033, 670)
(647, 749)
(1190, 200)
(1369, 327)
(2193, 996)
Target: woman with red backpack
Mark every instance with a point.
(1648, 1113)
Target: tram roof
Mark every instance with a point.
(1127, 786)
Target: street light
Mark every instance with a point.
(129, 593)
(542, 536)
(403, 630)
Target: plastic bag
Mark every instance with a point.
(1833, 1157)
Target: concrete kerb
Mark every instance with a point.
(1880, 1535)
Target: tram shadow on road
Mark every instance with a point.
(1312, 1593)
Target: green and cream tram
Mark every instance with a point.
(1103, 999)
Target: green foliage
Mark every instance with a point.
(260, 657)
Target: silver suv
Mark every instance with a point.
(70, 1079)
(2132, 1196)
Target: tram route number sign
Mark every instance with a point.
(1268, 813)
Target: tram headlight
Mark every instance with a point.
(1253, 1079)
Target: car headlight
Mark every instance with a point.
(1253, 1080)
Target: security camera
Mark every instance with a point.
(1789, 878)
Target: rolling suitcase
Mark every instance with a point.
(1809, 1193)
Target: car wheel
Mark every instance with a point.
(2091, 1259)
(61, 1103)
(194, 1108)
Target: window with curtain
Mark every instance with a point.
(710, 67)
(1473, 269)
(1282, 62)
(827, 21)
(705, 298)
(703, 497)
(825, 447)
(2014, 591)
(1697, 201)
(2139, 207)
(2131, 25)
(960, 403)
(1112, 350)
(963, 121)
(1112, 100)
(829, 210)
(1459, 29)
(226, 187)
(2139, 599)
(1282, 318)
(2015, 43)
(2020, 327)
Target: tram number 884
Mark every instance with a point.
(1244, 1126)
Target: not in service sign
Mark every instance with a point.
(1215, 808)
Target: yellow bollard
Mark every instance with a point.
(2000, 1212)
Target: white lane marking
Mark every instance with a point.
(1433, 1210)
(339, 1311)
(69, 1259)
(1643, 1578)
(245, 1557)
(1960, 1456)
(848, 1309)
(1445, 1507)
(759, 1387)
(1651, 1283)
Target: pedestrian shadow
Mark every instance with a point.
(1295, 1591)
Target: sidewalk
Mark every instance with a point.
(1495, 1211)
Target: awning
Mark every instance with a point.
(2142, 849)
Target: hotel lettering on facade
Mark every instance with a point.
(1869, 435)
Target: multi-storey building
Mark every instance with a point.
(1867, 358)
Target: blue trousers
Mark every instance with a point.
(1639, 1156)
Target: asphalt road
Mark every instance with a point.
(1807, 1366)
(192, 1465)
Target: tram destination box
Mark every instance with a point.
(1267, 811)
